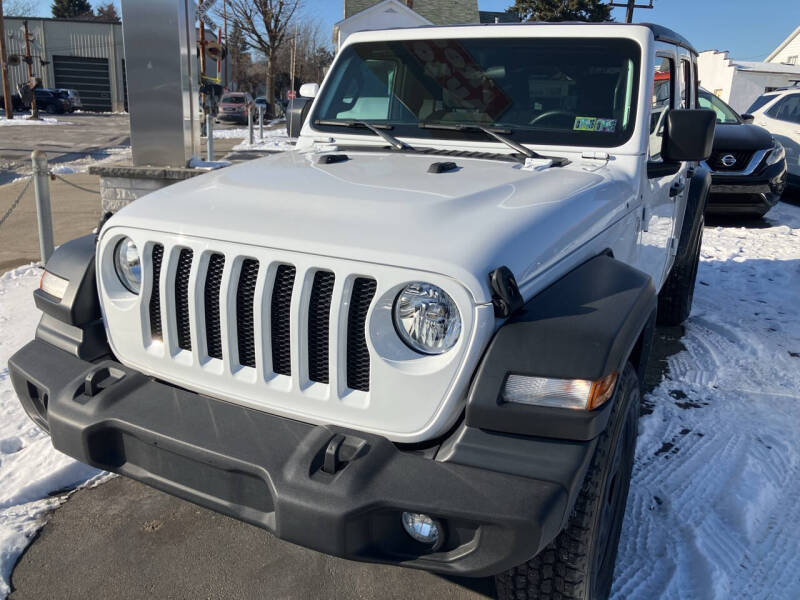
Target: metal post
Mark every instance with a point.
(260, 122)
(209, 137)
(250, 125)
(41, 186)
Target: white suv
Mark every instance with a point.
(419, 338)
(779, 113)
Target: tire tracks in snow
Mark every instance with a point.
(713, 510)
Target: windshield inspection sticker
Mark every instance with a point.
(605, 125)
(595, 124)
(584, 123)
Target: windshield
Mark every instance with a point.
(550, 91)
(233, 99)
(725, 114)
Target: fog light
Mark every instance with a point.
(423, 528)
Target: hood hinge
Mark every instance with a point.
(505, 293)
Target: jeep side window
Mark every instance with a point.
(663, 93)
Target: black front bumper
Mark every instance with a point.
(754, 193)
(501, 498)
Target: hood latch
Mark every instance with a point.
(505, 294)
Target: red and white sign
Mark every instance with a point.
(291, 94)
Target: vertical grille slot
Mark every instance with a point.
(245, 293)
(155, 294)
(319, 310)
(216, 265)
(279, 319)
(357, 351)
(182, 298)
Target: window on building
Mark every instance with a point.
(792, 60)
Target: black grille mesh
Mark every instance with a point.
(279, 319)
(155, 294)
(216, 265)
(182, 298)
(319, 310)
(357, 351)
(245, 333)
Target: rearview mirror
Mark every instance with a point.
(689, 135)
(747, 117)
(309, 90)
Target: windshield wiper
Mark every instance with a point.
(376, 128)
(497, 134)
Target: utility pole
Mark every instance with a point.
(9, 104)
(629, 5)
(31, 80)
(227, 50)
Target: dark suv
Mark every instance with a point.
(748, 166)
(50, 101)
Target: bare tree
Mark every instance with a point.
(265, 26)
(19, 8)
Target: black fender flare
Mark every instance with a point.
(584, 326)
(696, 199)
(73, 323)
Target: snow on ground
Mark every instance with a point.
(30, 469)
(713, 510)
(20, 120)
(275, 139)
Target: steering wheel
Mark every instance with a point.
(548, 114)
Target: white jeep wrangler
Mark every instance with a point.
(418, 338)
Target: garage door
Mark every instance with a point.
(87, 75)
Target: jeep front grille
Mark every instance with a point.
(216, 287)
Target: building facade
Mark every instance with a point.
(86, 56)
(788, 52)
(740, 82)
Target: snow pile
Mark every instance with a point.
(275, 140)
(30, 469)
(28, 121)
(713, 510)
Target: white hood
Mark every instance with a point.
(385, 208)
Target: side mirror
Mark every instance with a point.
(689, 135)
(296, 115)
(309, 90)
(747, 117)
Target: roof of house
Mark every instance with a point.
(784, 43)
(765, 67)
(383, 5)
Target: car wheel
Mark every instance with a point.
(579, 563)
(50, 109)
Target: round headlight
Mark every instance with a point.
(426, 318)
(127, 265)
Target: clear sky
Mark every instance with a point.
(750, 29)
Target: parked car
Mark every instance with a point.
(16, 103)
(779, 112)
(234, 106)
(50, 101)
(72, 96)
(748, 166)
(420, 342)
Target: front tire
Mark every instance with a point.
(579, 563)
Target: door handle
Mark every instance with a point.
(676, 188)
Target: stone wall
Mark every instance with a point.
(438, 12)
